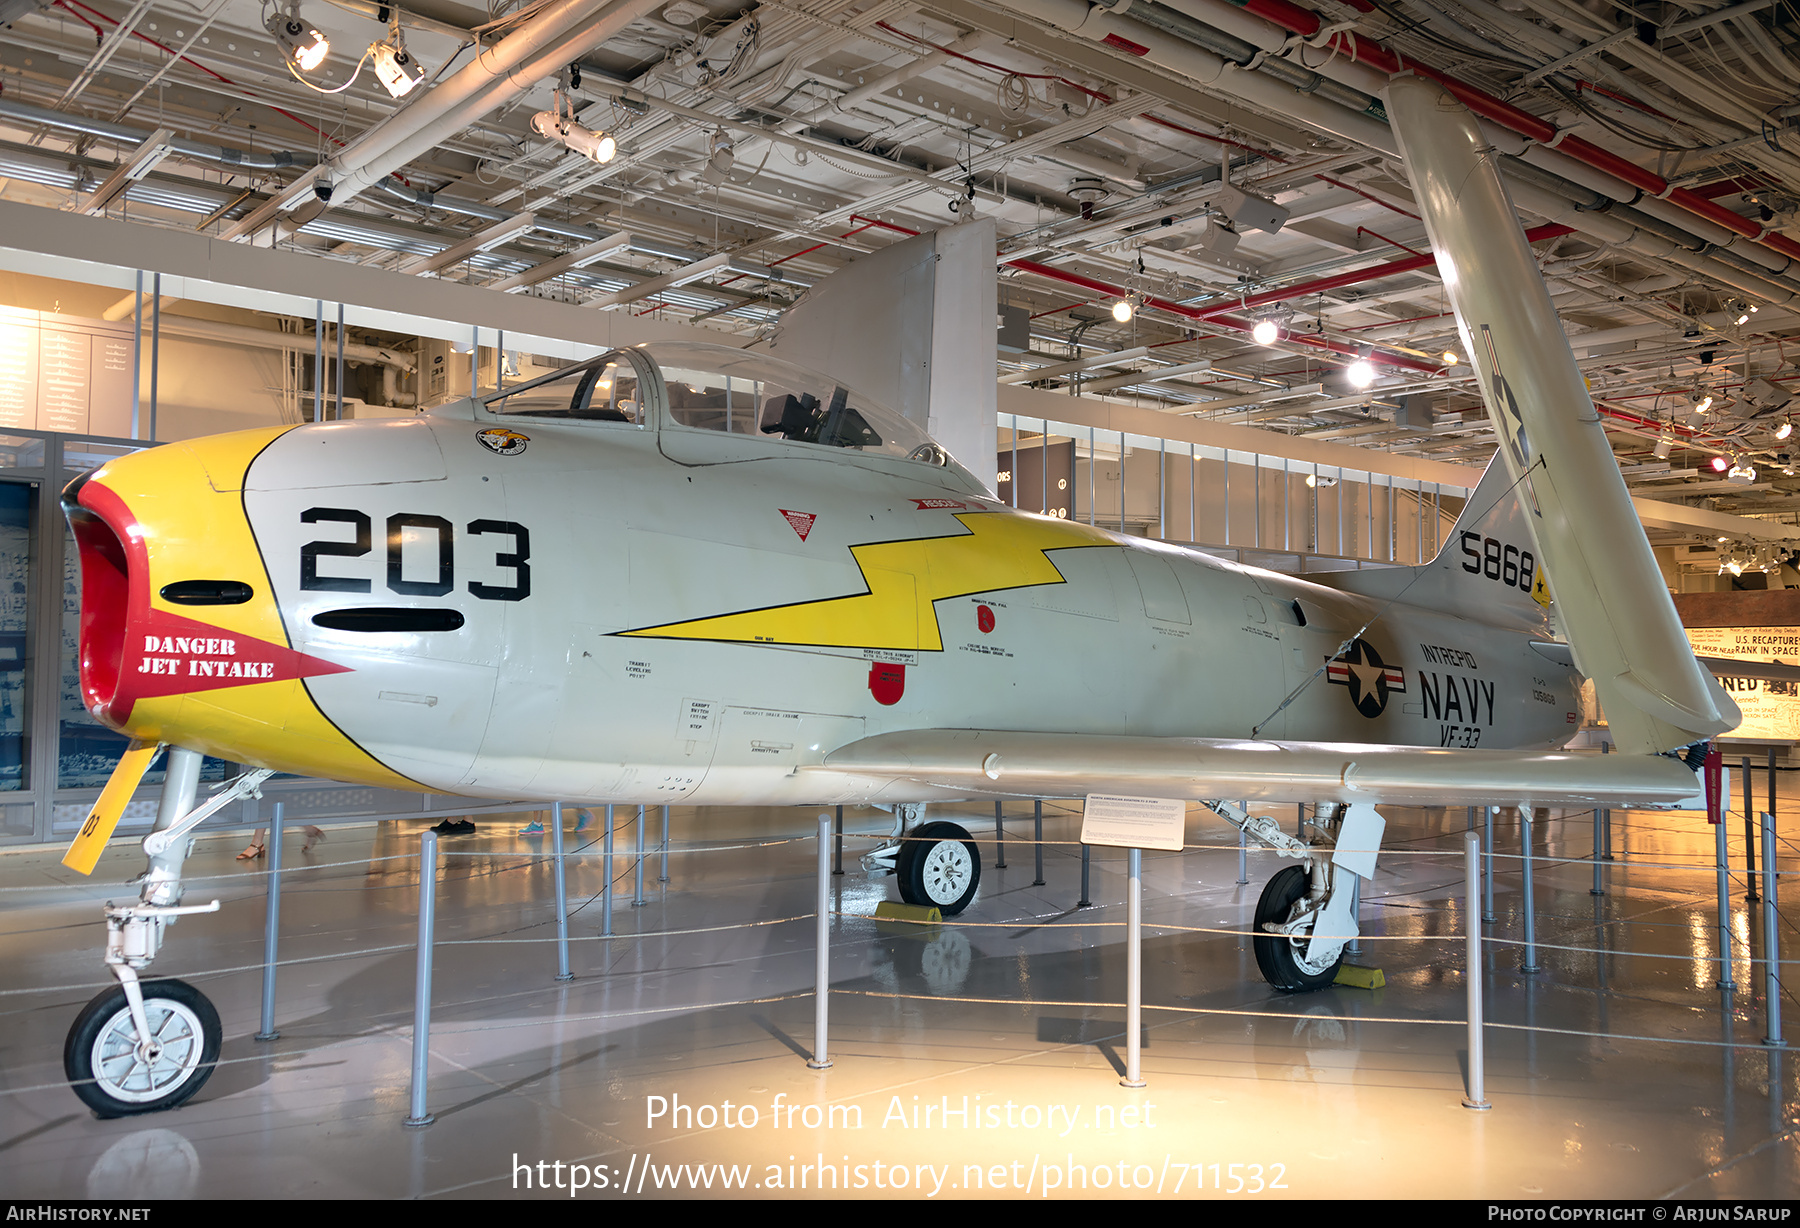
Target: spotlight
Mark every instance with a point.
(398, 71)
(1704, 404)
(1361, 372)
(1451, 358)
(1720, 464)
(1265, 332)
(1663, 447)
(594, 146)
(301, 45)
(1123, 310)
(718, 160)
(1784, 430)
(1318, 481)
(1742, 473)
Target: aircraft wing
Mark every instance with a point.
(1000, 764)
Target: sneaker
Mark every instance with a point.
(462, 828)
(582, 819)
(533, 828)
(446, 828)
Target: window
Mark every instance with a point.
(603, 390)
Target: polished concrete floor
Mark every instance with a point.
(676, 1057)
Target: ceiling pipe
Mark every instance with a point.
(1235, 323)
(1308, 24)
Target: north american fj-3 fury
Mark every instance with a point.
(683, 573)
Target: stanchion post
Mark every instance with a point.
(606, 867)
(562, 893)
(1771, 932)
(837, 843)
(664, 876)
(1722, 858)
(637, 899)
(421, 1047)
(271, 930)
(1037, 835)
(1087, 856)
(821, 1058)
(1599, 840)
(1472, 972)
(1243, 857)
(1750, 837)
(999, 837)
(1134, 968)
(1487, 876)
(1531, 961)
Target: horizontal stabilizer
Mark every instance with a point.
(1004, 764)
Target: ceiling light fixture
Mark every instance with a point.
(1266, 332)
(1361, 373)
(394, 65)
(1720, 464)
(559, 124)
(1123, 309)
(1784, 430)
(1664, 446)
(302, 46)
(1741, 472)
(1451, 358)
(718, 159)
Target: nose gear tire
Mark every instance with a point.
(116, 1075)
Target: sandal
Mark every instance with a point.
(311, 840)
(251, 853)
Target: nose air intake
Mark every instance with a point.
(105, 593)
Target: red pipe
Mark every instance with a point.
(1305, 22)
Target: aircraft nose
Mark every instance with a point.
(181, 638)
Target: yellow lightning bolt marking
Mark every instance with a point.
(1000, 550)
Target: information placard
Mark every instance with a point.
(1133, 822)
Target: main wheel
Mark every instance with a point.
(118, 1073)
(939, 866)
(1281, 958)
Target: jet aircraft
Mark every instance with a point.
(700, 574)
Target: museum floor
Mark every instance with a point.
(703, 998)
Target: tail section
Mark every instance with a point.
(1620, 619)
(1490, 567)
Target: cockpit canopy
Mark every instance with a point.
(716, 388)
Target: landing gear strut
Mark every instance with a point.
(150, 1045)
(1307, 913)
(937, 864)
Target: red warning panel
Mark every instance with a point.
(984, 618)
(800, 522)
(887, 683)
(165, 654)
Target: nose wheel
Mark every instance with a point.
(939, 866)
(119, 1068)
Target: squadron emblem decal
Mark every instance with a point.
(1370, 679)
(503, 441)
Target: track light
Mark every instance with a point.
(1703, 405)
(396, 68)
(1741, 472)
(302, 46)
(578, 138)
(1664, 446)
(1362, 372)
(1784, 430)
(1720, 464)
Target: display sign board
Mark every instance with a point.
(1133, 822)
(63, 373)
(1771, 709)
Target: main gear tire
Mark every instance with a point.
(1281, 957)
(939, 867)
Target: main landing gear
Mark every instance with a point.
(1307, 913)
(150, 1045)
(937, 863)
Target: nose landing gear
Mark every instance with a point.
(150, 1045)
